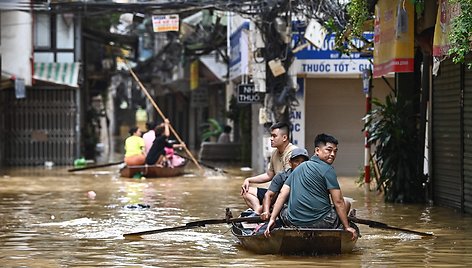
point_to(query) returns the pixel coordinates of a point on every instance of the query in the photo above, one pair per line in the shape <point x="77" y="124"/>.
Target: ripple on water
<point x="88" y="233"/>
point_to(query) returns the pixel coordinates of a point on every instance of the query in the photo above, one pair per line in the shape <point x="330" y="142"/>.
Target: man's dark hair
<point x="323" y="139"/>
<point x="159" y="129"/>
<point x="132" y="130"/>
<point x="150" y="125"/>
<point x="282" y="126"/>
<point x="227" y="129"/>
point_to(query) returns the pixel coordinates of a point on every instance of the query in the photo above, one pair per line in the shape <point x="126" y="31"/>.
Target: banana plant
<point x="213" y="129"/>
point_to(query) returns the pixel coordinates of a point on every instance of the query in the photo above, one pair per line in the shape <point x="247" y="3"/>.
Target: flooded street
<point x="50" y="218"/>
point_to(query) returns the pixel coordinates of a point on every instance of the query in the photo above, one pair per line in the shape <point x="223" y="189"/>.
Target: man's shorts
<point x="330" y="220"/>
<point x="260" y="194"/>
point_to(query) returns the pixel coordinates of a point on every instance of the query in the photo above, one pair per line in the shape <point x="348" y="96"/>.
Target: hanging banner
<point x="393" y="37"/>
<point x="165" y="23"/>
<point x="446" y="11"/>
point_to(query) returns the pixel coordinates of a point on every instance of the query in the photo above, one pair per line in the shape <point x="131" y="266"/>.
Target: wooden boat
<point x="294" y="241"/>
<point x="152" y="171"/>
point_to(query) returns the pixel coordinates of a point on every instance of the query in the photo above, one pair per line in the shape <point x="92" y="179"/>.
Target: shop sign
<point x="247" y="94"/>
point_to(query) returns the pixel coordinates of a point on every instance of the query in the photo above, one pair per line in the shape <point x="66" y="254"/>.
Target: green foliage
<point x="419" y="7"/>
<point x="396" y="150"/>
<point x="460" y="35"/>
<point x="358" y="14"/>
<point x="213" y="129"/>
<point x="360" y="20"/>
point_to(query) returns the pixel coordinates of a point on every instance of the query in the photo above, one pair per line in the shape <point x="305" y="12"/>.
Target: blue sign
<point x="235" y="44"/>
<point x="328" y="50"/>
<point x="328" y="61"/>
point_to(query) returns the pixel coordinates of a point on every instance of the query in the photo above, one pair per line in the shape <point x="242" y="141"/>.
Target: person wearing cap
<point x="310" y="189"/>
<point x="279" y="161"/>
<point x="299" y="156"/>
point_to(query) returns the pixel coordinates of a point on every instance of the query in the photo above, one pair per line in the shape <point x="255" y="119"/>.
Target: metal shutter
<point x="468" y="138"/>
<point x="41" y="127"/>
<point x="446" y="128"/>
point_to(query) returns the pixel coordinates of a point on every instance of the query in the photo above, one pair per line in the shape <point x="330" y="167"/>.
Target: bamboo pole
<point x="163" y="117"/>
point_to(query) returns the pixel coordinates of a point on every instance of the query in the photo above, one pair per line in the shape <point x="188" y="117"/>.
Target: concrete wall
<point x="16" y="44"/>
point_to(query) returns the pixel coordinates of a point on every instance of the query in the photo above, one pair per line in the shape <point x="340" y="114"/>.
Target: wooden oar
<point x="206" y="165"/>
<point x="381" y="225"/>
<point x="95" y="166"/>
<point x="163" y="117"/>
<point x="202" y="223"/>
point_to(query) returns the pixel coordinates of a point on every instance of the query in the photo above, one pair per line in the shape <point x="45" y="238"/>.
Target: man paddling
<point x="310" y="189"/>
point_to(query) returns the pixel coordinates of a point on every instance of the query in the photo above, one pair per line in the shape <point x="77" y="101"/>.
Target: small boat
<point x="153" y="171"/>
<point x="294" y="241"/>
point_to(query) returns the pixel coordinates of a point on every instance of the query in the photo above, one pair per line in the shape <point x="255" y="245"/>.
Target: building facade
<point x="41" y="106"/>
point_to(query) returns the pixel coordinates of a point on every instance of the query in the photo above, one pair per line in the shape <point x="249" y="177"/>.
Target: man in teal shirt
<point x="310" y="189"/>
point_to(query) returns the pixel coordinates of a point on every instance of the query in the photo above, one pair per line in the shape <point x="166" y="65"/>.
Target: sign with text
<point x="165" y="23"/>
<point x="446" y="12"/>
<point x="326" y="60"/>
<point x="297" y="115"/>
<point x="239" y="51"/>
<point x="393" y="37"/>
<point x="247" y="94"/>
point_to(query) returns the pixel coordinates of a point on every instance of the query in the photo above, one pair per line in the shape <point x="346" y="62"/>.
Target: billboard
<point x="393" y="37"/>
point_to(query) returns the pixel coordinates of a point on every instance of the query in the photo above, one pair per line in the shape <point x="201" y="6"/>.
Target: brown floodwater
<point x="49" y="219"/>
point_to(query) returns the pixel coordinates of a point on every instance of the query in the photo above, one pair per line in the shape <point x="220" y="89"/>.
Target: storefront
<point x="332" y="101"/>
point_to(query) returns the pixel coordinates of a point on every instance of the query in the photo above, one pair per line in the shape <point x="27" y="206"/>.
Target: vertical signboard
<point x="239" y="51"/>
<point x="446" y="11"/>
<point x="194" y="75"/>
<point x="393" y="37"/>
<point x="297" y="116"/>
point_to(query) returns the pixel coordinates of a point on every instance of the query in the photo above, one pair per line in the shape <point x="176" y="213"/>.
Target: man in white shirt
<point x="279" y="161"/>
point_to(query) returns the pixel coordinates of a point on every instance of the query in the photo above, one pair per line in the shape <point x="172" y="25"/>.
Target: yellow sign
<point x="393" y="37"/>
<point x="446" y="11"/>
<point x="194" y="75"/>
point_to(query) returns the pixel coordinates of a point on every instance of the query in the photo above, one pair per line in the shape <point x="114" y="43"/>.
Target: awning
<point x="57" y="72"/>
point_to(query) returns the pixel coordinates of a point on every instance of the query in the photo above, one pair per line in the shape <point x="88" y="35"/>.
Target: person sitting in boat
<point x="149" y="136"/>
<point x="311" y="206"/>
<point x="279" y="161"/>
<point x="225" y="135"/>
<point x="299" y="156"/>
<point x="173" y="160"/>
<point x="134" y="148"/>
<point x="157" y="153"/>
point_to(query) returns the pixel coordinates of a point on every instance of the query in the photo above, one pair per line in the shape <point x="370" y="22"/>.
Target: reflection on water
<point x="48" y="218"/>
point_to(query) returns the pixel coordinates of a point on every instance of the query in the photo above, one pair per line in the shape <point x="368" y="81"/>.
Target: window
<point x="42" y="31"/>
<point x="54" y="37"/>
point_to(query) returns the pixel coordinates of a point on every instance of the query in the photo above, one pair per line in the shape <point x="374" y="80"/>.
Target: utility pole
<point x="367" y="88"/>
